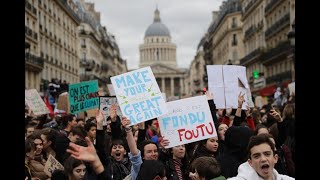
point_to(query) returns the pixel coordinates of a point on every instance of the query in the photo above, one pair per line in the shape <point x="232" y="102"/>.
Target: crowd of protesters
<point x="257" y="143"/>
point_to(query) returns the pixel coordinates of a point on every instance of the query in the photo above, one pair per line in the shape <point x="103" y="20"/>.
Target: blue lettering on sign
<point x="184" y="120"/>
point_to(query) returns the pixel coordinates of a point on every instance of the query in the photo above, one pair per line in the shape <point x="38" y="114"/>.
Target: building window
<point x="234" y="23"/>
<point x="234" y="40"/>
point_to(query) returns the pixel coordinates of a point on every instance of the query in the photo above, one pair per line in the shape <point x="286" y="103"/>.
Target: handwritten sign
<point x="188" y="120"/>
<point x="105" y="104"/>
<point x="51" y="165"/>
<point x="226" y="82"/>
<point x="138" y="95"/>
<point x="35" y="103"/>
<point x="83" y="96"/>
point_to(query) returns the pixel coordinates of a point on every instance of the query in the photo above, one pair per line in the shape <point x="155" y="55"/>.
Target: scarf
<point x="121" y="164"/>
<point x="177" y="166"/>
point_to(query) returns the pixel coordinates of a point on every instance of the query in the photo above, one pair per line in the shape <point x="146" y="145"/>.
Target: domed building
<point x="159" y="53"/>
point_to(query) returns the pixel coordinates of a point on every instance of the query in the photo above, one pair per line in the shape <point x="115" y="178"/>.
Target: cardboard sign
<point x="139" y="96"/>
<point x="83" y="96"/>
<point x="105" y="103"/>
<point x="35" y="102"/>
<point x="226" y="82"/>
<point x="51" y="165"/>
<point x="188" y="120"/>
<point x="63" y="102"/>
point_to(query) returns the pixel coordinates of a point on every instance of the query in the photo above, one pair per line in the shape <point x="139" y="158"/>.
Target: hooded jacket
<point x="246" y="172"/>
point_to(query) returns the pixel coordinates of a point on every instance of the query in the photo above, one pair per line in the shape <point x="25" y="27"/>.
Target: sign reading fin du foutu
<point x="138" y="95"/>
<point x="188" y="120"/>
<point x="83" y="96"/>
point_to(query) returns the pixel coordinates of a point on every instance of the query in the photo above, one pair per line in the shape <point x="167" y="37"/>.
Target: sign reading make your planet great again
<point x="188" y="120"/>
<point x="138" y="95"/>
<point x="83" y="96"/>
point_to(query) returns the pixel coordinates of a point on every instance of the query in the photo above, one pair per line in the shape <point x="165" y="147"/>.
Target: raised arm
<point x="131" y="142"/>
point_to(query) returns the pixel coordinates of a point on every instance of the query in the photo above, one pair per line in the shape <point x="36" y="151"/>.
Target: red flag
<point x="49" y="107"/>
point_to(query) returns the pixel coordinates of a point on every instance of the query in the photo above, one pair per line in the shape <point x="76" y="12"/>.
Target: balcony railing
<point x="279" y="77"/>
<point x="270" y="6"/>
<point x="282" y="47"/>
<point x="34" y="60"/>
<point x="276" y="27"/>
<point x="71" y="12"/>
<point x="249" y="57"/>
<point x="249" y="32"/>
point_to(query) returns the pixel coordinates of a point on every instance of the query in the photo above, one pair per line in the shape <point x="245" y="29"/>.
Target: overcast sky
<point x="187" y="21"/>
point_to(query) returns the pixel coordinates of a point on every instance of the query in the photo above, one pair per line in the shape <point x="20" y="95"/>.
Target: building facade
<point x="227" y="34"/>
<point x="271" y="57"/>
<point x="197" y="71"/>
<point x="59" y="36"/>
<point x="159" y="53"/>
<point x="254" y="28"/>
<point x="33" y="62"/>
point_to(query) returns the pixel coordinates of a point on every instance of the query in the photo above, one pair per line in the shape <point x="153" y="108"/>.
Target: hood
<point x="246" y="172"/>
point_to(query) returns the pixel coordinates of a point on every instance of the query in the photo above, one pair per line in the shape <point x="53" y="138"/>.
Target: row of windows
<point x="58" y="73"/>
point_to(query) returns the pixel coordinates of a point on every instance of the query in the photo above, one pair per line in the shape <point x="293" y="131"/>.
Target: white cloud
<point x="187" y="21"/>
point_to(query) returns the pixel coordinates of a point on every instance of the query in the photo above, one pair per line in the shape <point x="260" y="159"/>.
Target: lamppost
<point x="291" y="37"/>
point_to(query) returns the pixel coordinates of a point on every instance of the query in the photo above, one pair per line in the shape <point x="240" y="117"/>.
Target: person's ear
<point x="250" y="162"/>
<point x="276" y="157"/>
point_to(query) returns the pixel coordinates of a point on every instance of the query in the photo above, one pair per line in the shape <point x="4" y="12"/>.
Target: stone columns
<point x="181" y="86"/>
<point x="172" y="86"/>
<point x="163" y="85"/>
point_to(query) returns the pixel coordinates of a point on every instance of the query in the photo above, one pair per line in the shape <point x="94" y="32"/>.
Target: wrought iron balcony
<point x="250" y="56"/>
<point x="34" y="61"/>
<point x="282" y="47"/>
<point x="271" y="5"/>
<point x="281" y="77"/>
<point x="276" y="27"/>
<point x="249" y="32"/>
<point x="69" y="10"/>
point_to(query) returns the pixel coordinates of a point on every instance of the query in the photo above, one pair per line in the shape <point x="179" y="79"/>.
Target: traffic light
<point x="255" y="74"/>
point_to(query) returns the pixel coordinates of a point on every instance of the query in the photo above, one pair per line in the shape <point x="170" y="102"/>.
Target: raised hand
<point x="99" y="117"/>
<point x="276" y="115"/>
<point x="209" y="95"/>
<point x="240" y="100"/>
<point x="125" y="121"/>
<point x="164" y="142"/>
<point x="113" y="112"/>
<point x="248" y="111"/>
<point x="87" y="154"/>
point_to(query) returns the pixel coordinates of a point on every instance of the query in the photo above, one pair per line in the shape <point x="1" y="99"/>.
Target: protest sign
<point x="111" y="90"/>
<point x="226" y="82"/>
<point x="51" y="165"/>
<point x="139" y="96"/>
<point x="35" y="102"/>
<point x="105" y="104"/>
<point x="188" y="120"/>
<point x="83" y="96"/>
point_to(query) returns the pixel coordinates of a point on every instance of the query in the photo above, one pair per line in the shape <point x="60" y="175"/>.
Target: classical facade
<point x="254" y="28"/>
<point x="159" y="53"/>
<point x="33" y="62"/>
<point x="98" y="51"/>
<point x="227" y="34"/>
<point x="64" y="40"/>
<point x="273" y="55"/>
<point x="58" y="24"/>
